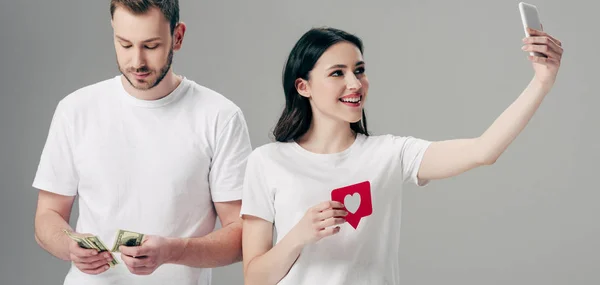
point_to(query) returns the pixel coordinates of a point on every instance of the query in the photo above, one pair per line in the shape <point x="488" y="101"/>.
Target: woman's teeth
<point x="351" y="100"/>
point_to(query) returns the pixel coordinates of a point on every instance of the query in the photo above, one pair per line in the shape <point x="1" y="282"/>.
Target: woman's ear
<point x="302" y="87"/>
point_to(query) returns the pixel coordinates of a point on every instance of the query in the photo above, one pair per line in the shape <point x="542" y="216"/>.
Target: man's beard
<point x="144" y="69"/>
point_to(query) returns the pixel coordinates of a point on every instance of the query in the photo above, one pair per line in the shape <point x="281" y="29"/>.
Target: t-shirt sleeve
<point x="56" y="170"/>
<point x="258" y="198"/>
<point x="229" y="160"/>
<point x="412" y="151"/>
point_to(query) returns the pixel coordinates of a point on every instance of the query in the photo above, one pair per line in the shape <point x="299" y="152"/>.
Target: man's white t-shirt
<point x="283" y="180"/>
<point x="153" y="167"/>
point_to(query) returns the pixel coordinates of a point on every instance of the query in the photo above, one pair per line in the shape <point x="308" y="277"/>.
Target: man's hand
<point x="88" y="260"/>
<point x="152" y="253"/>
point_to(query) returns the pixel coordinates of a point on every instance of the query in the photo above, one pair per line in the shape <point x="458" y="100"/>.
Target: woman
<point x="323" y="144"/>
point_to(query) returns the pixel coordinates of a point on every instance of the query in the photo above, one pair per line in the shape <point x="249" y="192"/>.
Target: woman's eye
<point x="337" y="73"/>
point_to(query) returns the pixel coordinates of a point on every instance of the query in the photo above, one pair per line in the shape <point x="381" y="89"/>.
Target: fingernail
<point x="524" y="40"/>
<point x="94" y="253"/>
<point x="523" y="47"/>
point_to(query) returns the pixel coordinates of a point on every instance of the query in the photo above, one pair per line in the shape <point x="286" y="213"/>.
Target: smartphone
<point x="531" y="19"/>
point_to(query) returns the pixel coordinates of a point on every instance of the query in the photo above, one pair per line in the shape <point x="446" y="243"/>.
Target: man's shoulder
<point x="88" y="94"/>
<point x="209" y="98"/>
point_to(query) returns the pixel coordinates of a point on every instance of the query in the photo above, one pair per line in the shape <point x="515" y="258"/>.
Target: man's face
<point x="144" y="46"/>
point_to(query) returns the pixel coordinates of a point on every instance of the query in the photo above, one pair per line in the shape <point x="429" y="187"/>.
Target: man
<point x="147" y="151"/>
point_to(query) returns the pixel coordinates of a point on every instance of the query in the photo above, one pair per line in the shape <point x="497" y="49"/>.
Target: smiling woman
<point x="305" y="64"/>
<point x="323" y="146"/>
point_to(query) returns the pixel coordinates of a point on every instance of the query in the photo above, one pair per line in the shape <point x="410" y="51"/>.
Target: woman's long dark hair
<point x="297" y="114"/>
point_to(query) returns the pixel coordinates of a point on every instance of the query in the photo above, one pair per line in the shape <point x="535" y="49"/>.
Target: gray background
<point x="438" y="70"/>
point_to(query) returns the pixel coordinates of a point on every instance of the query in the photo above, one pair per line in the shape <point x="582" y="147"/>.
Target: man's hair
<point x="169" y="8"/>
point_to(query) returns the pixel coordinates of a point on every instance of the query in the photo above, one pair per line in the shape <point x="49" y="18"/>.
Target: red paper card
<point x="357" y="200"/>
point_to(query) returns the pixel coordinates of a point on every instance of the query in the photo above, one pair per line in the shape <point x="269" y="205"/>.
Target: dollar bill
<point x="98" y="244"/>
<point x="127" y="238"/>
<point x="91" y="242"/>
<point x="79" y="240"/>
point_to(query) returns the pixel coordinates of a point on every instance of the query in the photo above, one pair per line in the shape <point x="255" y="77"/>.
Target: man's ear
<point x="178" y="34"/>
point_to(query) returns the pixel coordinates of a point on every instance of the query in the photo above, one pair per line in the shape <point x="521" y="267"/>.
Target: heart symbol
<point x="352" y="202"/>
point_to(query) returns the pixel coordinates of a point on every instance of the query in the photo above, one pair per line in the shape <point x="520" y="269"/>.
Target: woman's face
<point x="337" y="85"/>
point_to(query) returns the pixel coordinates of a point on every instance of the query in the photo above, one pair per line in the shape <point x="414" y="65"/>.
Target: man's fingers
<point x="89" y="259"/>
<point x="139" y="266"/>
<point x="75" y="249"/>
<point x="134" y="251"/>
<point x="140" y="270"/>
<point x="96" y="270"/>
<point x="137" y="262"/>
<point x="92" y="265"/>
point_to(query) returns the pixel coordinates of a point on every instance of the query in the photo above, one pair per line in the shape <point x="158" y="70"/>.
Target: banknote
<point x="91" y="242"/>
<point x="127" y="238"/>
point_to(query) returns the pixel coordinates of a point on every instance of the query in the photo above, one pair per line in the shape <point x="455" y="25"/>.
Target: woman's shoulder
<point x="378" y="139"/>
<point x="269" y="149"/>
<point x="391" y="141"/>
<point x="388" y="138"/>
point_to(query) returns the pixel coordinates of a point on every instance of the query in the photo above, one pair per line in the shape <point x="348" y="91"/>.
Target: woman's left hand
<point x="546" y="68"/>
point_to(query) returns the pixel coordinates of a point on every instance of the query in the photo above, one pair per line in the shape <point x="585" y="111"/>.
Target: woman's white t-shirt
<point x="283" y="180"/>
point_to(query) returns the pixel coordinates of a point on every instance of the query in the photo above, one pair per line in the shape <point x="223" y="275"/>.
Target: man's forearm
<point x="50" y="236"/>
<point x="219" y="248"/>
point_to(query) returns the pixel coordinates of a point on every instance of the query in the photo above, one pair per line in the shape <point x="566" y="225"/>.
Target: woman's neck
<point x="327" y="136"/>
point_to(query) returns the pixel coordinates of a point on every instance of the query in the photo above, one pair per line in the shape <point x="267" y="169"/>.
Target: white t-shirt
<point x="283" y="180"/>
<point x="153" y="167"/>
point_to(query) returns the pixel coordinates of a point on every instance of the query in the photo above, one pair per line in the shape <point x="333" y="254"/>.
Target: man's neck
<point x="164" y="88"/>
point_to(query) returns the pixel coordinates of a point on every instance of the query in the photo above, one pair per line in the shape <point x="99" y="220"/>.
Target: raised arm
<point x="452" y="157"/>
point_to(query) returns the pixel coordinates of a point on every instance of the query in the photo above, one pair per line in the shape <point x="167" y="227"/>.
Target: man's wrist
<point x="176" y="248"/>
